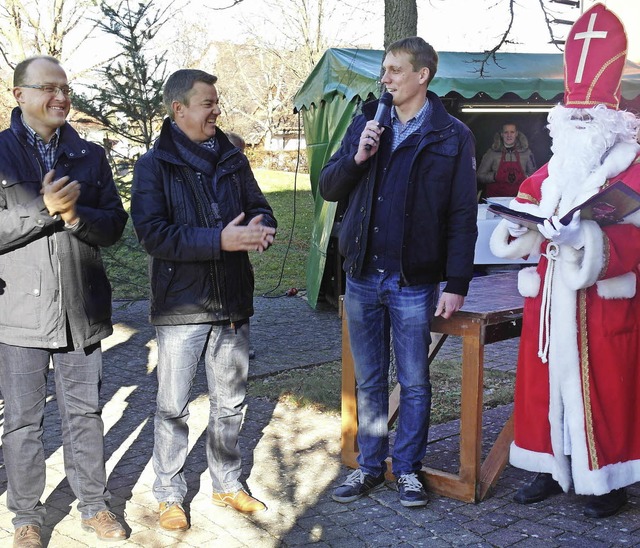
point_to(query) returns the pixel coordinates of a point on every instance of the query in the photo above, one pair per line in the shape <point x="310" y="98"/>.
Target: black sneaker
<point x="411" y="491"/>
<point x="357" y="485"/>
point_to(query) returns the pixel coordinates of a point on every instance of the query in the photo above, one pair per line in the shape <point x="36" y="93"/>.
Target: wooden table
<point x="492" y="312"/>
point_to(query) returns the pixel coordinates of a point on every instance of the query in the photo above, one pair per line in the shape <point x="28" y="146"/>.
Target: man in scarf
<point x="197" y="210"/>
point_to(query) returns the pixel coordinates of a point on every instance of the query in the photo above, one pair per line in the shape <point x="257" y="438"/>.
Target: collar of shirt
<point x="401" y="131"/>
<point x="47" y="150"/>
<point x="211" y="143"/>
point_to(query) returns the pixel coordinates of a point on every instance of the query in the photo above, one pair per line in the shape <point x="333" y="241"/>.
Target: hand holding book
<point x="515" y="230"/>
<point x="561" y="234"/>
<point x="609" y="206"/>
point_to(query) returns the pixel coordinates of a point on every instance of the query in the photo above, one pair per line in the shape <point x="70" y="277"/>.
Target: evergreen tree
<point x="126" y="97"/>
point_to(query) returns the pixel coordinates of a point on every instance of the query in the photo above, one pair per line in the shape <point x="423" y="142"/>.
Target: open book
<point x="609" y="206"/>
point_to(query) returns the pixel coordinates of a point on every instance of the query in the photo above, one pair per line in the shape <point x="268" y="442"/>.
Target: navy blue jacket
<point x="51" y="278"/>
<point x="440" y="206"/>
<point x="192" y="279"/>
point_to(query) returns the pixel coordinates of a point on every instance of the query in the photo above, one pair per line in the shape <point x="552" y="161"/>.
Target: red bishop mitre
<point x="594" y="58"/>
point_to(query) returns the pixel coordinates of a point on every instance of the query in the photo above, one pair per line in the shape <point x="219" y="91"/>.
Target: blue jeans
<point x="377" y="306"/>
<point x="23" y="381"/>
<point x="226" y="360"/>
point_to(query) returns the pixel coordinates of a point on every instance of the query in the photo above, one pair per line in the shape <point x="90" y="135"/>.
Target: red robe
<point x="585" y="400"/>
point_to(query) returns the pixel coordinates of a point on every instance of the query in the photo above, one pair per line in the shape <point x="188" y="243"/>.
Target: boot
<point x="542" y="487"/>
<point x="606" y="505"/>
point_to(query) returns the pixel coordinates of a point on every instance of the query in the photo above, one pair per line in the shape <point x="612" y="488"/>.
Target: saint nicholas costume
<point x="578" y="378"/>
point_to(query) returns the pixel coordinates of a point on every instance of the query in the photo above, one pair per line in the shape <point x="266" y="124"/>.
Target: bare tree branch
<point x="31" y="27"/>
<point x="547" y="21"/>
<point x="491" y="54"/>
<point x="6" y="58"/>
<point x="233" y="3"/>
<point x="504" y="39"/>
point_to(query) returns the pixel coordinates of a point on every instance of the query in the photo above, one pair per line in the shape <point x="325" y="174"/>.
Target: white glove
<point x="515" y="230"/>
<point x="570" y="234"/>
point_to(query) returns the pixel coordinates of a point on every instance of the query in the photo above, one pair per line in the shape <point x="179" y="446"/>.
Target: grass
<point x="283" y="266"/>
<point x="445" y="380"/>
<point x="316" y="387"/>
<point x="319" y="388"/>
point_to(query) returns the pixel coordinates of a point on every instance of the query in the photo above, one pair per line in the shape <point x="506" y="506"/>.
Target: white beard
<point x="579" y="150"/>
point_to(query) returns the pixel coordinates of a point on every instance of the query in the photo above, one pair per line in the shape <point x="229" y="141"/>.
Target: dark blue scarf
<point x="203" y="158"/>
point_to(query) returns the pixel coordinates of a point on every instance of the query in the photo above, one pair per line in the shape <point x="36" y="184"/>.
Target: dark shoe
<point x="357" y="485"/>
<point x="542" y="487"/>
<point x="105" y="525"/>
<point x="411" y="491"/>
<point x="607" y="505"/>
<point x="240" y="501"/>
<point x="27" y="536"/>
<point x="173" y="517"/>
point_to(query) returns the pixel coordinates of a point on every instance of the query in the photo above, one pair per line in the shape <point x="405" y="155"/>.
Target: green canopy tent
<point x="344" y="78"/>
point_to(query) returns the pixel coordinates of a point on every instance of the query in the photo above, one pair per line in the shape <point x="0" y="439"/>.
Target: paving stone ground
<point x="291" y="461"/>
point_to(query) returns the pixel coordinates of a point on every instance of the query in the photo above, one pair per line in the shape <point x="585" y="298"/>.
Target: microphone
<point x="384" y="104"/>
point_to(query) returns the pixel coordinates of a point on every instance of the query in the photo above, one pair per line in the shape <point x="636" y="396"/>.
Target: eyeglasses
<point x="49" y="88"/>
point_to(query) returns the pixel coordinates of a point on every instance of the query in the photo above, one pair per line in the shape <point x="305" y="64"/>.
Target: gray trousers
<point x="23" y="381"/>
<point x="226" y="360"/>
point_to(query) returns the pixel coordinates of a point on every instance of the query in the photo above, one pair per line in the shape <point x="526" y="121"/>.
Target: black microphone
<point x="384" y="104"/>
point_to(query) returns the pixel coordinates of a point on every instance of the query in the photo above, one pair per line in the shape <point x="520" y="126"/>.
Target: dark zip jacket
<point x="192" y="279"/>
<point x="440" y="207"/>
<point x="52" y="280"/>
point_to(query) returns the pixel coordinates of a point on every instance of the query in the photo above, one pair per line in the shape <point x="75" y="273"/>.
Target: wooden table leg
<point x="349" y="404"/>
<point x="471" y="409"/>
<point x="496" y="460"/>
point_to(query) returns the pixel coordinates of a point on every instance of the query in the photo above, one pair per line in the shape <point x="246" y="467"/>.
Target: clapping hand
<point x="251" y="237"/>
<point x="60" y="196"/>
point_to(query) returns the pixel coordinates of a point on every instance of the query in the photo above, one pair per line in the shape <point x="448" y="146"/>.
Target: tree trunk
<point x="400" y="20"/>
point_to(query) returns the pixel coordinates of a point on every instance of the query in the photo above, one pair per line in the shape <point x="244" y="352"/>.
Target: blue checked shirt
<point x="47" y="154"/>
<point x="402" y="131"/>
<point x="47" y="150"/>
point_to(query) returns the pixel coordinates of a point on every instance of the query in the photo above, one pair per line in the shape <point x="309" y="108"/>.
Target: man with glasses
<point x="58" y="205"/>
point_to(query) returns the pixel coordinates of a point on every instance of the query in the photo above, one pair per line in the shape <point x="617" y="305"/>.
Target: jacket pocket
<point x="90" y="190"/>
<point x="19" y="191"/>
<point x="161" y="279"/>
<point x="20" y="296"/>
<point x="98" y="297"/>
<point x="438" y="165"/>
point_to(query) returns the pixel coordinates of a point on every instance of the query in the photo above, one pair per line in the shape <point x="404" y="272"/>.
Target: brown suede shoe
<point x="172" y="517"/>
<point x="240" y="501"/>
<point x="105" y="525"/>
<point x="27" y="536"/>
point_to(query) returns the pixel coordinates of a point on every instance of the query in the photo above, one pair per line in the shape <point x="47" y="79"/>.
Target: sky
<point x="449" y="25"/>
<point x="362" y="23"/>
